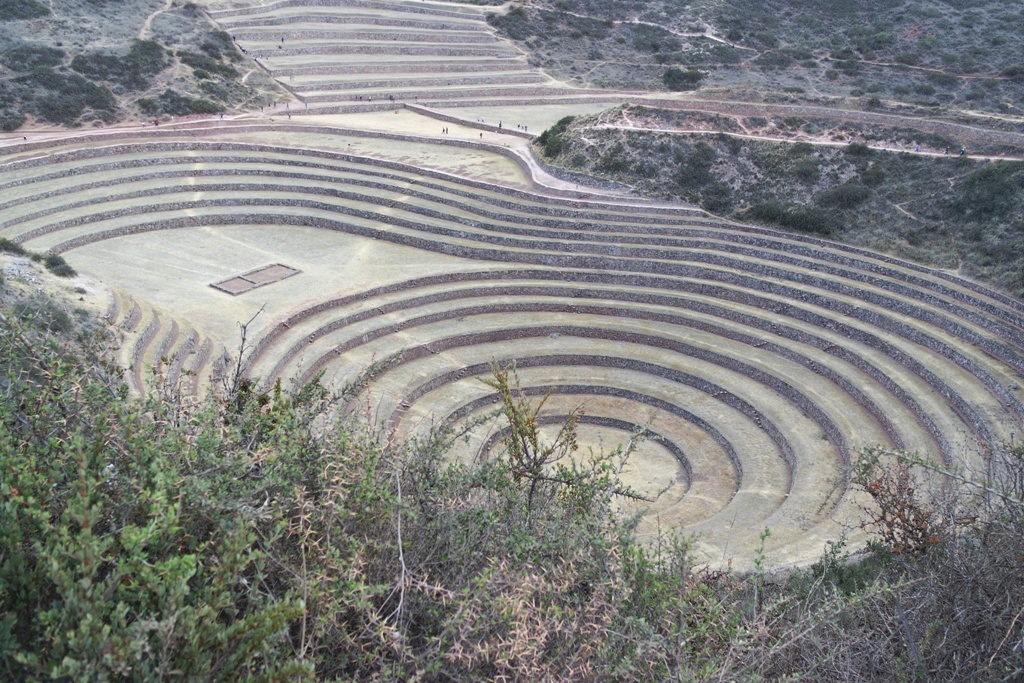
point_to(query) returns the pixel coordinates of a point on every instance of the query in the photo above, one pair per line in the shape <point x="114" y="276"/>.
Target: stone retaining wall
<point x="484" y="402"/>
<point x="406" y="67"/>
<point x="322" y="19"/>
<point x="296" y="37"/>
<point x="432" y="50"/>
<point x="217" y="15"/>
<point x="176" y="144"/>
<point x="516" y="311"/>
<point x="405" y="96"/>
<point x="185" y="349"/>
<point x="404" y="83"/>
<point x="448" y="118"/>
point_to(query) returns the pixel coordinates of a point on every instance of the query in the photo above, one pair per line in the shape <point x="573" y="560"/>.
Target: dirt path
<point x="904" y="212"/>
<point x="926" y="69"/>
<point x="811" y="141"/>
<point x="682" y="34"/>
<point x="147" y="26"/>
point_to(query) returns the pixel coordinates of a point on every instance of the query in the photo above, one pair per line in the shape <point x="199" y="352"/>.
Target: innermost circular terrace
<point x="429" y="243"/>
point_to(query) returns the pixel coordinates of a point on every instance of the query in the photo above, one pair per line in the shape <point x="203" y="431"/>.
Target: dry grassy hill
<point x="95" y="62"/>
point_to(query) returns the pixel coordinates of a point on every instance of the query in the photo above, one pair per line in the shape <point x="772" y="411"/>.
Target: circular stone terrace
<point x="756" y="361"/>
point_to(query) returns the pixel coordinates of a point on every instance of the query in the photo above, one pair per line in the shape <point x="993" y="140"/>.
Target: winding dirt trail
<point x="147" y="26"/>
<point x="810" y="141"/>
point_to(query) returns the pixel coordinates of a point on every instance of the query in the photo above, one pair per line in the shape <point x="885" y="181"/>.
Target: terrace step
<point x="157" y="346"/>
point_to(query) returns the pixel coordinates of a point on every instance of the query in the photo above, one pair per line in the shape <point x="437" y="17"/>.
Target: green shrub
<point x="992" y="191"/>
<point x="726" y="54"/>
<point x="10" y="247"/>
<point x="731" y="142"/>
<point x="653" y="39"/>
<point x="217" y="90"/>
<point x="694" y="166"/>
<point x="22" y="9"/>
<point x="201" y="106"/>
<point x="173" y="103"/>
<point x="716" y="197"/>
<point x="198" y="61"/>
<point x="793" y="217"/>
<point x="682" y="79"/>
<point x="56" y="264"/>
<point x="222" y="39"/>
<point x="11" y="120"/>
<point x="69" y="96"/>
<point x="775" y="59"/>
<point x="846" y="196"/>
<point x="135" y="71"/>
<point x="614" y="160"/>
<point x="807" y="170"/>
<point x="515" y="23"/>
<point x="943" y="80"/>
<point x="873" y="175"/>
<point x="552" y="140"/>
<point x="858" y="149"/>
<point x="28" y="56"/>
<point x="1015" y="72"/>
<point x="169" y="102"/>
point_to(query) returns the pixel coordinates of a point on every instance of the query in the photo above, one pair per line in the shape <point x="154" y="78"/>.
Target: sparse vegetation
<point x="206" y="63"/>
<point x="893" y="51"/>
<point x="172" y="103"/>
<point x="680" y="79"/>
<point x="26" y="57"/>
<point x="134" y="71"/>
<point x="93" y="83"/>
<point x="551" y="140"/>
<point x="22" y="9"/>
<point x="68" y="98"/>
<point x="54" y="263"/>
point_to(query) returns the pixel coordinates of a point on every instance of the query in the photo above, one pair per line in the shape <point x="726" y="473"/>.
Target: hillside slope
<point x="84" y="62"/>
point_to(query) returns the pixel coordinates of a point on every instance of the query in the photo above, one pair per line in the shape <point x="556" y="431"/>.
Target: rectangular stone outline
<point x="240" y="284"/>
